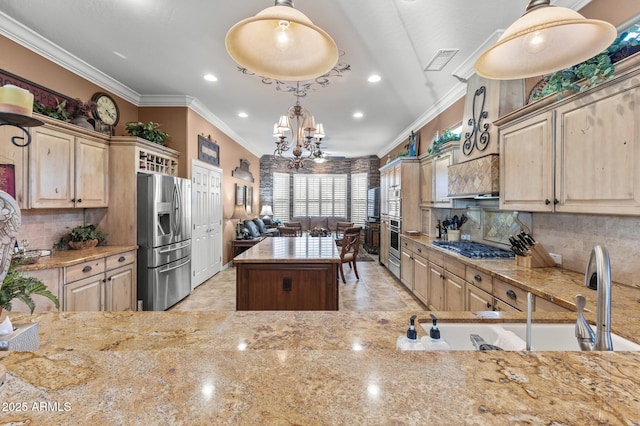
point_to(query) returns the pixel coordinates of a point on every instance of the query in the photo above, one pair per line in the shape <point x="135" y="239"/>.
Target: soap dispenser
<point x="433" y="342"/>
<point x="410" y="342"/>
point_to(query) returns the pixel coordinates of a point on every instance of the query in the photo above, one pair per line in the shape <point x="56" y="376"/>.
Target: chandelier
<point x="305" y="137"/>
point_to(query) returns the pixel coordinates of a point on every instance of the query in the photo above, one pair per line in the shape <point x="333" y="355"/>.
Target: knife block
<point x="538" y="258"/>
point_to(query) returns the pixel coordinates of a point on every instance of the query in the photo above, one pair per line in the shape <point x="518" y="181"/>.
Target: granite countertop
<point x="299" y="368"/>
<point x="60" y="259"/>
<point x="559" y="286"/>
<point x="303" y="249"/>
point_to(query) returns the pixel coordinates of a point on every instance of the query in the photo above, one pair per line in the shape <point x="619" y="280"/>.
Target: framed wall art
<point x="248" y="199"/>
<point x="208" y="150"/>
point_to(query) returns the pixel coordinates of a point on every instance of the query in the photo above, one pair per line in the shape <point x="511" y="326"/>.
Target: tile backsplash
<point x="44" y="227"/>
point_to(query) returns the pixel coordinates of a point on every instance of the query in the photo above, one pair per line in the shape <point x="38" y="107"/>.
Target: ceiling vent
<point x="441" y="59"/>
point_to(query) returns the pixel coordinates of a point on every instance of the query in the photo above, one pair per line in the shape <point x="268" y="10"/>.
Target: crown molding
<point x="33" y="41"/>
<point x="196" y="106"/>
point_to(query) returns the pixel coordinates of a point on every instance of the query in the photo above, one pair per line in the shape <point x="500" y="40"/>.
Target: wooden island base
<point x="285" y="274"/>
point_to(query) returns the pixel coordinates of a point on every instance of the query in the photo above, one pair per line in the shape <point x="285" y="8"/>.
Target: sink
<point x="544" y="336"/>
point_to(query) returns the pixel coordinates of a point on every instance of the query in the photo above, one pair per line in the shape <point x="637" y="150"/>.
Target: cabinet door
<point x="454" y="293"/>
<point x="477" y="299"/>
<point x="441" y="181"/>
<point x="421" y="278"/>
<point x="426" y="182"/>
<point x="598" y="153"/>
<point x="526" y="165"/>
<point x="406" y="269"/>
<point x="14" y="172"/>
<point x="384" y="243"/>
<point x="91" y="179"/>
<point x="85" y="294"/>
<point x="51" y="165"/>
<point x="384" y="193"/>
<point x="436" y="287"/>
<point x="120" y="286"/>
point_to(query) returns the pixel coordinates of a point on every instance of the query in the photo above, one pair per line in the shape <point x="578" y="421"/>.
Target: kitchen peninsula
<point x="311" y="368"/>
<point x="288" y="273"/>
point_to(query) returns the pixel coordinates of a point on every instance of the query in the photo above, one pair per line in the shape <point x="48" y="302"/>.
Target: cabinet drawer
<point x="501" y="306"/>
<point x="454" y="266"/>
<point x="543" y="305"/>
<point x="510" y="294"/>
<point x="414" y="246"/>
<point x="479" y="279"/>
<point x="436" y="257"/>
<point x="83" y="270"/>
<point x="121" y="259"/>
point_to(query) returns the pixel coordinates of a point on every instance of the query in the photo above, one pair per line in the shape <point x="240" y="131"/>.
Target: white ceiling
<point x="169" y="45"/>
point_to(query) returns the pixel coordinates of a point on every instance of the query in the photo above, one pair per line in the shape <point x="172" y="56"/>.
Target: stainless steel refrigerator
<point x="164" y="240"/>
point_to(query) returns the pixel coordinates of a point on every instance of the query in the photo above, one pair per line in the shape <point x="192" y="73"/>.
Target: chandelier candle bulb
<point x="16" y="100"/>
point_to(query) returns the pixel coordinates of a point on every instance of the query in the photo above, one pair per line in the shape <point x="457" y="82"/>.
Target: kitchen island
<point x="288" y="273"/>
<point x="311" y="368"/>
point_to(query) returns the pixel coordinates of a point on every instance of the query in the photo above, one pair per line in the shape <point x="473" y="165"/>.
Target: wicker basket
<point x="80" y="245"/>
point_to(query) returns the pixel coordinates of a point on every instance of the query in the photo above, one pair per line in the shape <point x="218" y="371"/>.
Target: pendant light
<point x="280" y="42"/>
<point x="544" y="40"/>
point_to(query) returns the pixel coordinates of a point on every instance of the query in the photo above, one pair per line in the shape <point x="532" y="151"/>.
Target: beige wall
<point x="45" y="227"/>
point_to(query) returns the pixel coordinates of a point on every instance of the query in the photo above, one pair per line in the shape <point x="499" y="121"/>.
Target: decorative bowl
<point x="80" y="245"/>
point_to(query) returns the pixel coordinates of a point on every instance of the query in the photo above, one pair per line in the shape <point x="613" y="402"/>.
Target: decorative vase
<point x="80" y="245"/>
<point x="83" y="121"/>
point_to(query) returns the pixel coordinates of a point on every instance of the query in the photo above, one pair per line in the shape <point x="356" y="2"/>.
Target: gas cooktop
<point x="474" y="250"/>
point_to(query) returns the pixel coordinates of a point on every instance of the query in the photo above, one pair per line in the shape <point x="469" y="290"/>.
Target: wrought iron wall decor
<point x="479" y="137"/>
<point x="301" y="90"/>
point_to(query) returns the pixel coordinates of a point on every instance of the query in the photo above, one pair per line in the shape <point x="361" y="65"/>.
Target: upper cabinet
<point x="67" y="169"/>
<point x="434" y="176"/>
<point x="578" y="155"/>
<point x="403" y="178"/>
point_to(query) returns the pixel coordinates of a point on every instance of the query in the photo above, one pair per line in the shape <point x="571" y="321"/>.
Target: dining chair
<point x="349" y="250"/>
<point x="288" y="231"/>
<point x="340" y="228"/>
<point x="297" y="225"/>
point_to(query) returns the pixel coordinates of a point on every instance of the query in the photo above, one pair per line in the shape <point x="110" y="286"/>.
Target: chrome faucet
<point x="598" y="270"/>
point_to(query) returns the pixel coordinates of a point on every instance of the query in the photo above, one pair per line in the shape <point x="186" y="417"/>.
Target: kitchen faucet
<point x="598" y="270"/>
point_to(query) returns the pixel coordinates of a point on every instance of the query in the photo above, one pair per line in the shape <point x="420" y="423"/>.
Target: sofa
<point x="257" y="228"/>
<point x="325" y="222"/>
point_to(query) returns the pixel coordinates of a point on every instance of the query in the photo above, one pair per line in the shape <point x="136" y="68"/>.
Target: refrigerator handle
<point x="177" y="210"/>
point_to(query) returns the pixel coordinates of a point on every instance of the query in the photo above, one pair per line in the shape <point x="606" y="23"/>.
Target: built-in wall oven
<point x="394" y="202"/>
<point x="395" y="227"/>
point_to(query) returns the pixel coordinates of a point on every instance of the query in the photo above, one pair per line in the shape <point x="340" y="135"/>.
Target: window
<point x="281" y="196"/>
<point x="359" y="198"/>
<point x="320" y="195"/>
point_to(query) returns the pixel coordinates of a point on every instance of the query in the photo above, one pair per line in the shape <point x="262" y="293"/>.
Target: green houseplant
<point x="59" y="112"/>
<point x="17" y="285"/>
<point x="149" y="131"/>
<point x="81" y="237"/>
<point x="447" y="136"/>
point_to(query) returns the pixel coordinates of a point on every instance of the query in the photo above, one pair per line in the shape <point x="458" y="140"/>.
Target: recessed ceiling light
<point x="210" y="77"/>
<point x="374" y="78"/>
<point x="243" y="115"/>
<point x="358" y="115"/>
<point x="120" y="55"/>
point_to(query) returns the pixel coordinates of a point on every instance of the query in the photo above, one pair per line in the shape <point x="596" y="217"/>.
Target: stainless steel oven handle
<point x="162" y="271"/>
<point x="167" y="250"/>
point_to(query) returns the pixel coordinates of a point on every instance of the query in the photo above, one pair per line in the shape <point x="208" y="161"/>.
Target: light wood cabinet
<point x="421" y="279"/>
<point x="454" y="292"/>
<point x="384" y="243"/>
<point x="406" y="268"/>
<point x="121" y="222"/>
<point x="67" y="170"/>
<point x="580" y="154"/>
<point x="426" y="182"/>
<point x="436" y="287"/>
<point x="103" y="284"/>
<point x="414" y="269"/>
<point x="477" y="299"/>
<point x="526" y="165"/>
<point x="15" y="167"/>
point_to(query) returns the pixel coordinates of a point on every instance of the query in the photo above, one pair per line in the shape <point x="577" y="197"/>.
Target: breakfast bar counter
<point x="288" y="273"/>
<point x="311" y="368"/>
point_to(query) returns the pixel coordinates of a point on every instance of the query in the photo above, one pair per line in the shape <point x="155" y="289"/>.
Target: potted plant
<point x="439" y="141"/>
<point x="17" y="285"/>
<point x="82" y="237"/>
<point x="149" y="131"/>
<point x="59" y="112"/>
<point x="79" y="112"/>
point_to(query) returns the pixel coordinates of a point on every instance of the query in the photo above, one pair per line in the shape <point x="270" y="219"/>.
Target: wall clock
<point x="106" y="109"/>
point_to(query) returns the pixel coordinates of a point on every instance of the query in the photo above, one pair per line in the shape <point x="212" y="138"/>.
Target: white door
<point x="206" y="240"/>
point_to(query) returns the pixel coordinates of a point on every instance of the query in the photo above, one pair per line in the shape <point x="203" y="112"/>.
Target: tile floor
<point x="376" y="290"/>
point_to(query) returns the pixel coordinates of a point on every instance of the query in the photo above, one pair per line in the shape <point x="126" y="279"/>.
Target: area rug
<point x="363" y="256"/>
